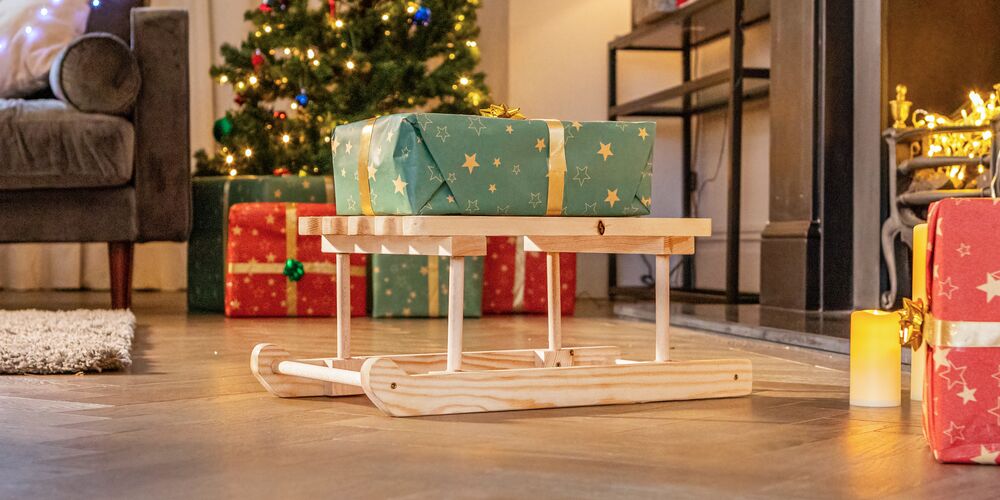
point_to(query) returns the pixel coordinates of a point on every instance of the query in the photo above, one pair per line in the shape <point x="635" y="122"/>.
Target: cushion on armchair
<point x="96" y="73"/>
<point x="47" y="144"/>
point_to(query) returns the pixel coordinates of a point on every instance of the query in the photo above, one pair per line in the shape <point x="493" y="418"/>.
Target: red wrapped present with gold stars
<point x="272" y="271"/>
<point x="962" y="331"/>
<point x="515" y="281"/>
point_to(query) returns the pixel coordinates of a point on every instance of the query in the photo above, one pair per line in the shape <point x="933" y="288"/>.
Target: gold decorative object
<point x="502" y="111"/>
<point x="911" y="323"/>
<point x="900" y="107"/>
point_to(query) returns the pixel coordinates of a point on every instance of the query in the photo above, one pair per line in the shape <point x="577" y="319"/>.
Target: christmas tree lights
<point x="304" y="69"/>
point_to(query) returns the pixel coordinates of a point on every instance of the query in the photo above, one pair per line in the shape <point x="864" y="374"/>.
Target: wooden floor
<point x="189" y="420"/>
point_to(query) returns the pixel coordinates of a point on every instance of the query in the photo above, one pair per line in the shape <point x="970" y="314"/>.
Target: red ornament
<point x="281" y="171"/>
<point x="280" y="115"/>
<point x="264" y="7"/>
<point x="333" y="9"/>
<point x="257" y="59"/>
<point x="239" y="99"/>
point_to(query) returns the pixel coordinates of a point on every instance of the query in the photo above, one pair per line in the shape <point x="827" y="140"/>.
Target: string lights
<point x="43" y="16"/>
<point x="282" y="65"/>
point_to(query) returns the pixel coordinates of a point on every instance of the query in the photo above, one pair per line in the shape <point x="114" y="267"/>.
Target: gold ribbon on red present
<point x="916" y="325"/>
<point x="291" y="251"/>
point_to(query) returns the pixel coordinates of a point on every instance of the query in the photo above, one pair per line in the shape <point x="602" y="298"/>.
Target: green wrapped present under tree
<point x="417" y="286"/>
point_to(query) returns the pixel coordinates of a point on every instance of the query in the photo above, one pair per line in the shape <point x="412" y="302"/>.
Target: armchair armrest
<point x="161" y="120"/>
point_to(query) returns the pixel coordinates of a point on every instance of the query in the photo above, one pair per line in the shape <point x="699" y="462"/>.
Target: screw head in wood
<point x="392" y="385"/>
<point x="600" y="227"/>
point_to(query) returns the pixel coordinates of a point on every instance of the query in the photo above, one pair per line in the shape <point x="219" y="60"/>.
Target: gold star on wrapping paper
<point x="540" y="144"/>
<point x="516" y="170"/>
<point x="305" y="184"/>
<point x="237" y="230"/>
<point x="348" y="147"/>
<point x="254" y="232"/>
<point x="388" y="291"/>
<point x="496" y="162"/>
<point x="442" y="133"/>
<point x="510" y="129"/>
<point x="343" y="172"/>
<point x="643" y="134"/>
<point x="406" y="311"/>
<point x="967" y="394"/>
<point x="371" y="172"/>
<point x="955" y="433"/>
<point x="451" y="199"/>
<point x="470" y="162"/>
<point x="277" y="193"/>
<point x="605" y="151"/>
<point x="271" y="257"/>
<point x="646" y="201"/>
<point x="964" y="250"/>
<point x="423" y="270"/>
<point x="991" y="287"/>
<point x="235" y="304"/>
<point x="399" y="185"/>
<point x="493" y="188"/>
<point x="986" y="457"/>
<point x="335" y="145"/>
<point x="536" y="199"/>
<point x="269" y="219"/>
<point x="612" y="197"/>
<point x="576" y="125"/>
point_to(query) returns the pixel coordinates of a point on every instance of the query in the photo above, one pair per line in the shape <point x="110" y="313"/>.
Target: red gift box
<point x="265" y="254"/>
<point x="516" y="281"/>
<point x="962" y="331"/>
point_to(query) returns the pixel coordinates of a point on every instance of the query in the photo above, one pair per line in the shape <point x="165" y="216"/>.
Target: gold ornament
<point x="502" y="111"/>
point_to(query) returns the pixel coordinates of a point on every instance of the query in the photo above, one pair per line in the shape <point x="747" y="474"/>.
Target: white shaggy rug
<point x="34" y="341"/>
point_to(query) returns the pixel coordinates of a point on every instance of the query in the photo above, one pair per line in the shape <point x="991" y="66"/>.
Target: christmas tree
<point x="306" y="68"/>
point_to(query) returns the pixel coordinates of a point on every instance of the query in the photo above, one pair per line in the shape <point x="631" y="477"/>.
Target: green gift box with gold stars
<point x="417" y="286"/>
<point x="211" y="198"/>
<point x="440" y="164"/>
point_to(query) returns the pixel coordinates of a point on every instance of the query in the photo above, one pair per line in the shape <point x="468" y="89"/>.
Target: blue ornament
<point x="422" y="16"/>
<point x="302" y="98"/>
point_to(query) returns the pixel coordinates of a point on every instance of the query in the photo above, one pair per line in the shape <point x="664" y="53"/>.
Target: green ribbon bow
<point x="294" y="270"/>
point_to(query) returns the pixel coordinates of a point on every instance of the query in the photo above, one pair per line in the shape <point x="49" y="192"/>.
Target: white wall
<point x="556" y="66"/>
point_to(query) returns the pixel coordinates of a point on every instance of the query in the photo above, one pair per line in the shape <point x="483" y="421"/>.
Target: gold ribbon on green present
<point x="294" y="270"/>
<point x="556" y="160"/>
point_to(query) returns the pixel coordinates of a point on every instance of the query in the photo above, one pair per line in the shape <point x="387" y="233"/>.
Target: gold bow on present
<point x="502" y="111"/>
<point x="911" y="323"/>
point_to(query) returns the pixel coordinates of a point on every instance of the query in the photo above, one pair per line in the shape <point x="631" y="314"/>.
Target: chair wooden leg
<point x="120" y="264"/>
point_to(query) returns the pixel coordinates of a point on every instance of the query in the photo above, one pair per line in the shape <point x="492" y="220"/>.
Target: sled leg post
<point x="343" y="305"/>
<point x="456" y="299"/>
<point x="662" y="307"/>
<point x="555" y="307"/>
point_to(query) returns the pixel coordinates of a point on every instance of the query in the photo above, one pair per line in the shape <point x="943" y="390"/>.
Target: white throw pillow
<point x="32" y="32"/>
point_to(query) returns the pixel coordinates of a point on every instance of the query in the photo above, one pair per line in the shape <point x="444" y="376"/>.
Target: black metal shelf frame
<point x="683" y="30"/>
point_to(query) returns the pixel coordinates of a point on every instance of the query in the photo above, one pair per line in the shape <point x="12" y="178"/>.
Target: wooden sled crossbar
<point x="466" y="382"/>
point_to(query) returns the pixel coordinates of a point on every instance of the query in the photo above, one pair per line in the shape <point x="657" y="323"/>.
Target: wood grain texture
<point x="398" y="394"/>
<point x="458" y="225"/>
<point x="188" y="418"/>
<point x="265" y="357"/>
<point x="406" y="245"/>
<point x="655" y="245"/>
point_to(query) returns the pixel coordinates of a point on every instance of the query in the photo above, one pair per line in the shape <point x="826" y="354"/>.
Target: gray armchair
<point x="69" y="176"/>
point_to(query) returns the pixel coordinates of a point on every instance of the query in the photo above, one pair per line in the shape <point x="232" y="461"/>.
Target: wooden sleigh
<point x="467" y="382"/>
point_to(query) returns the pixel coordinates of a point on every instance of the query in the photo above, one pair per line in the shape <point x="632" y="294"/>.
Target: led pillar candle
<point x="875" y="350"/>
<point x="919" y="292"/>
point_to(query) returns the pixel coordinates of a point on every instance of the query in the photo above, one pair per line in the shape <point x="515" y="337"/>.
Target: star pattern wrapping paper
<point x="962" y="384"/>
<point x="416" y="286"/>
<point x="258" y="246"/>
<point x="439" y="164"/>
<point x="211" y="198"/>
<point x="506" y="292"/>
